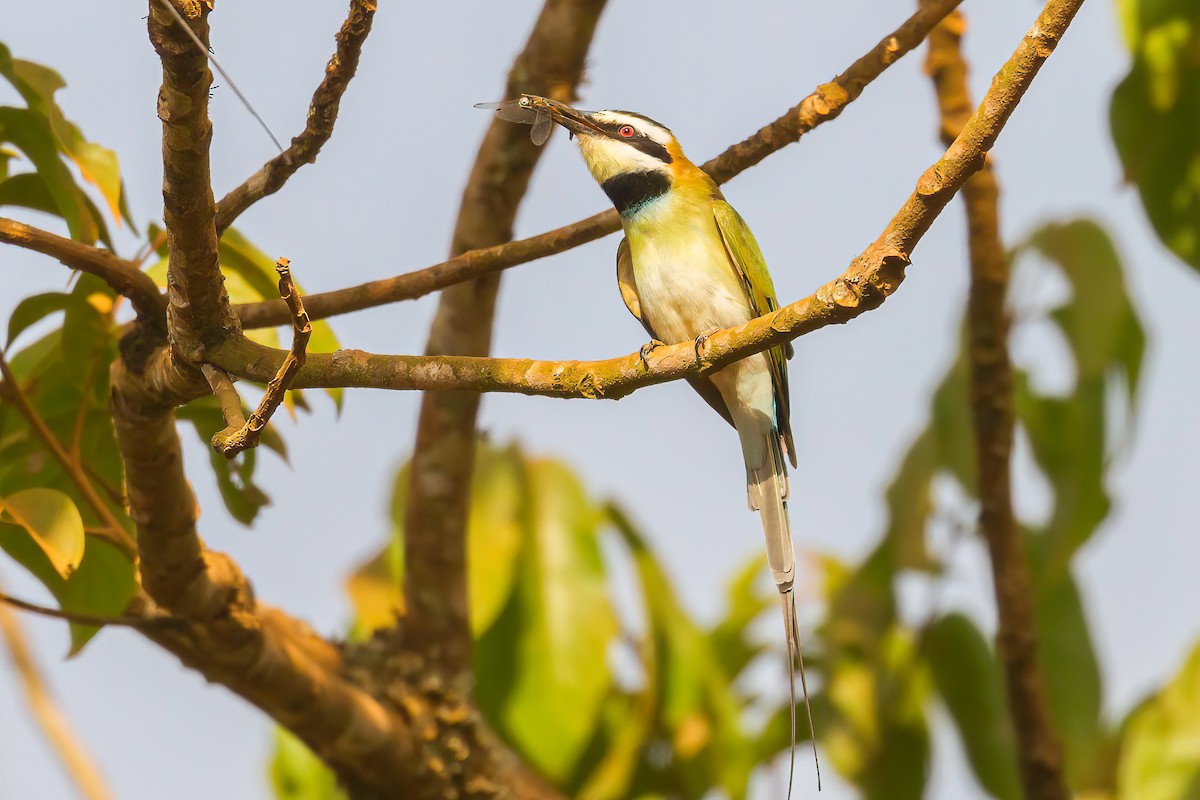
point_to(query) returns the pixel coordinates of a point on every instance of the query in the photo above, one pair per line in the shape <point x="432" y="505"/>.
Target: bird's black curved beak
<point x="574" y="120"/>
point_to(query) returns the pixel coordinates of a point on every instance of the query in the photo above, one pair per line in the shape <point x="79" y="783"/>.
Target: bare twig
<point x="825" y="103"/>
<point x="124" y="621"/>
<point x="227" y="396"/>
<point x="113" y="531"/>
<point x="322" y="114"/>
<point x="1039" y="746"/>
<point x="123" y="276"/>
<point x="198" y="311"/>
<point x="230" y="443"/>
<point x="870" y="279"/>
<point x="75" y="759"/>
<point x="435" y="584"/>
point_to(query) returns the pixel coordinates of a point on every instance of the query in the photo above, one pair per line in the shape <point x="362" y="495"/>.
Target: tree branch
<point x="322" y="114"/>
<point x="1039" y="746"/>
<point x="870" y="279"/>
<point x="234" y="440"/>
<point x="435" y="581"/>
<point x="825" y="103"/>
<point x="198" y="311"/>
<point x="123" y="276"/>
<point x="75" y="759"/>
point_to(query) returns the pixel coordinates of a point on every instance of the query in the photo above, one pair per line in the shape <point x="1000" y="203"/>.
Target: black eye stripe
<point x="639" y="140"/>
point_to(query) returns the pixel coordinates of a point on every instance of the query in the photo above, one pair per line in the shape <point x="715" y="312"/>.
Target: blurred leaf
<point x="32" y="310"/>
<point x="747" y="601"/>
<point x="1154" y="113"/>
<point x="497" y="516"/>
<point x="297" y="774"/>
<point x="1069" y="665"/>
<point x="31" y="133"/>
<point x="1160" y="759"/>
<point x="1099" y="322"/>
<point x="970" y="682"/>
<point x="376" y="591"/>
<point x="53" y="522"/>
<point x="876" y="734"/>
<point x="103" y="584"/>
<point x="37" y="85"/>
<point x="568" y="623"/>
<point x="697" y="712"/>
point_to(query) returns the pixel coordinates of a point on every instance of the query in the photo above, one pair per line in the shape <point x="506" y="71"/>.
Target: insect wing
<point x="542" y="126"/>
<point x="512" y="111"/>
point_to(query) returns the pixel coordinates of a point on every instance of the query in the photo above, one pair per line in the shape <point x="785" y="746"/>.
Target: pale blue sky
<point x="382" y="199"/>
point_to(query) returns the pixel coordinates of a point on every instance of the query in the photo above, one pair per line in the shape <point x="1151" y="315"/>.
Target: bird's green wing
<point x="627" y="283"/>
<point x="751" y="268"/>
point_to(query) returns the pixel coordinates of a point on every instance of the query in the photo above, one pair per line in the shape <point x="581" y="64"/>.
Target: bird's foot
<point x="702" y="342"/>
<point x="648" y="348"/>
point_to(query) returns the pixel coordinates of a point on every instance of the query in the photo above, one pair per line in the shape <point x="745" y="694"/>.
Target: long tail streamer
<point x="795" y="655"/>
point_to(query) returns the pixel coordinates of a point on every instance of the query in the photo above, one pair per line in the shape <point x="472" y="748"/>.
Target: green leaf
<point x="102" y="586"/>
<point x="499" y="503"/>
<point x="32" y="310"/>
<point x="98" y="165"/>
<point x="696" y="711"/>
<point x="1099" y="322"/>
<point x="31" y="132"/>
<point x="1070" y="668"/>
<point x="970" y="682"/>
<point x="53" y="522"/>
<point x="1153" y="118"/>
<point x="1160" y="758"/>
<point x="747" y="602"/>
<point x="567" y="624"/>
<point x="297" y="774"/>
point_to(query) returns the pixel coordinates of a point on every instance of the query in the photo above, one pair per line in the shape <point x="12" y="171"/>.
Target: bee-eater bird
<point x="689" y="266"/>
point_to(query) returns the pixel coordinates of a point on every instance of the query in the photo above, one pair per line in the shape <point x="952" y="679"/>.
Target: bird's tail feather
<point x="767" y="490"/>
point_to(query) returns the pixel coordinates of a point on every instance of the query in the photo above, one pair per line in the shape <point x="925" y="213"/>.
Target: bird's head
<point x="633" y="158"/>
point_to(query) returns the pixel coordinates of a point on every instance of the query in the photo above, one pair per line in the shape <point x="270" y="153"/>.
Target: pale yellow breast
<point x="685" y="282"/>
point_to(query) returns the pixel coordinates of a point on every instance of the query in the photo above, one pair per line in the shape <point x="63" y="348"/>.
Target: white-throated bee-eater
<point x="688" y="266"/>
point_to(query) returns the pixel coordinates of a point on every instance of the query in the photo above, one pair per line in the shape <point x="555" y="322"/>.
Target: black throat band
<point x="632" y="190"/>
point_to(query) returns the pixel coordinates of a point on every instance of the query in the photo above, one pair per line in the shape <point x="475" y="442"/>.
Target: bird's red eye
<point x="626" y="131"/>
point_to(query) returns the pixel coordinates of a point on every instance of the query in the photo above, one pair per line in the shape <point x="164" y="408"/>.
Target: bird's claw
<point x="647" y="349"/>
<point x="702" y="341"/>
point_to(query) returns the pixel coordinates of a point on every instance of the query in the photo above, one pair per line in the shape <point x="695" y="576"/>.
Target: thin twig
<point x="227" y="397"/>
<point x="123" y="276"/>
<point x="230" y="443"/>
<point x="123" y="621"/>
<point x="114" y="532"/>
<point x="322" y="114"/>
<point x="1039" y="746"/>
<point x="870" y="279"/>
<point x="823" y="104"/>
<point x="75" y="759"/>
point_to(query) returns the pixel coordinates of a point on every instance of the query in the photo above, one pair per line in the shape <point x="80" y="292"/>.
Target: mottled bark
<point x="1039" y="748"/>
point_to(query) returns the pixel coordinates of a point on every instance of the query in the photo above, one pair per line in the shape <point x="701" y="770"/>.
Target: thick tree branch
<point x="322" y="114"/>
<point x="435" y="582"/>
<point x="123" y="276"/>
<point x="1039" y="746"/>
<point x="870" y="279"/>
<point x="198" y="312"/>
<point x="75" y="759"/>
<point x="825" y="103"/>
